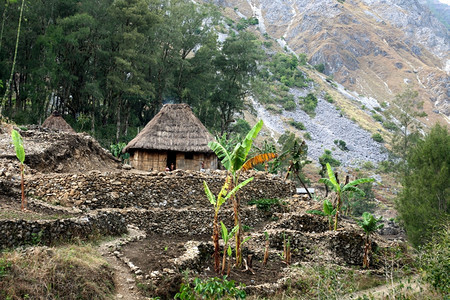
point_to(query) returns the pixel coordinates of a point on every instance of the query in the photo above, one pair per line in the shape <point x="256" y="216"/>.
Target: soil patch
<point x="157" y="253"/>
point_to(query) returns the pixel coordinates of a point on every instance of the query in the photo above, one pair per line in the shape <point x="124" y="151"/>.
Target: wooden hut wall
<point x="157" y="161"/>
<point x="148" y="161"/>
<point x="193" y="161"/>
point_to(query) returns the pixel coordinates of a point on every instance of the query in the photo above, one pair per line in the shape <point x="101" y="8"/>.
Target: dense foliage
<point x="108" y="66"/>
<point x="423" y="202"/>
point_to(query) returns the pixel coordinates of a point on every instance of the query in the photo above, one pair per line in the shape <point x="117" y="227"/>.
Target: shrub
<point x="377" y="118"/>
<point x="289" y="105"/>
<point x="434" y="260"/>
<point x="267" y="204"/>
<point x="309" y="103"/>
<point x="307" y="136"/>
<point x="377" y="137"/>
<point x="389" y="125"/>
<point x="328" y="98"/>
<point x="297" y="125"/>
<point x="320" y="68"/>
<point x="274" y="109"/>
<point x="341" y="145"/>
<point x="212" y="288"/>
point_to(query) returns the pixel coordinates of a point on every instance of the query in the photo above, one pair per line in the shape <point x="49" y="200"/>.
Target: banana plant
<point x="236" y="162"/>
<point x="226" y="237"/>
<point x="369" y="224"/>
<point x="340" y="189"/>
<point x="328" y="211"/>
<point x="225" y="193"/>
<point x="20" y="153"/>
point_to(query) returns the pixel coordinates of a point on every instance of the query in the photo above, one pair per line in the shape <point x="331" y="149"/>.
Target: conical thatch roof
<point x="174" y="128"/>
<point x="56" y="122"/>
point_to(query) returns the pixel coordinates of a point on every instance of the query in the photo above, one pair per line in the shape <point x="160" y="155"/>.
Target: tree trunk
<point x="216" y="244"/>
<point x="118" y="121"/>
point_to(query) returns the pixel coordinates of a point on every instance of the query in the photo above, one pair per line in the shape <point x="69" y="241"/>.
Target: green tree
<point x="406" y="108"/>
<point x="423" y="202"/>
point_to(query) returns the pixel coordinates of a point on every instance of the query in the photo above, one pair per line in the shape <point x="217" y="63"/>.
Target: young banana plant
<point x="340" y="189"/>
<point x="328" y="211"/>
<point x="226" y="237"/>
<point x="222" y="197"/>
<point x="369" y="224"/>
<point x="20" y="153"/>
<point x="236" y="162"/>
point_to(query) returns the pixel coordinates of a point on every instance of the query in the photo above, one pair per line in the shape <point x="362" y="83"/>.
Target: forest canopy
<point x="109" y="66"/>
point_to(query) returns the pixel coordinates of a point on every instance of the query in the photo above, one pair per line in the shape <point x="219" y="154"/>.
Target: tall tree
<point x="406" y="108"/>
<point x="423" y="202"/>
<point x="235" y="66"/>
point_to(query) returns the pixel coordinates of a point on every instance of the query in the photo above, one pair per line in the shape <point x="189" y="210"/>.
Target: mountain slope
<point x="371" y="47"/>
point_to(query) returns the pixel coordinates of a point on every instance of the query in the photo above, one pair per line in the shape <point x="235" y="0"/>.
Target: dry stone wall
<point x="21" y="232"/>
<point x="148" y="190"/>
<point x="194" y="221"/>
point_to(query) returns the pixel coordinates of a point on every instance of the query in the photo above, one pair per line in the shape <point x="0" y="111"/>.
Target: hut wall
<point x="193" y="161"/>
<point x="157" y="161"/>
<point x="147" y="161"/>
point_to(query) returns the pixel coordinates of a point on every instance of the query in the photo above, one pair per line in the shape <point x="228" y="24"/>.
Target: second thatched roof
<point x="56" y="122"/>
<point x="174" y="128"/>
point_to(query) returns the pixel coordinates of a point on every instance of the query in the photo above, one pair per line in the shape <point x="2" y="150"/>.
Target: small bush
<point x="377" y="137"/>
<point x="389" y="125"/>
<point x="266" y="204"/>
<point x="377" y="118"/>
<point x="289" y="105"/>
<point x="368" y="165"/>
<point x="320" y="68"/>
<point x="328" y="98"/>
<point x="341" y="145"/>
<point x="307" y="136"/>
<point x="434" y="260"/>
<point x="309" y="104"/>
<point x="212" y="288"/>
<point x="274" y="109"/>
<point x="297" y="125"/>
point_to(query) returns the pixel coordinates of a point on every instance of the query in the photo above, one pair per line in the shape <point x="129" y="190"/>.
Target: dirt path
<point x="123" y="277"/>
<point x="406" y="286"/>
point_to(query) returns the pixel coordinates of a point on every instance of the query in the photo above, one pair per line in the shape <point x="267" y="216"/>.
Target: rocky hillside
<point x="372" y="48"/>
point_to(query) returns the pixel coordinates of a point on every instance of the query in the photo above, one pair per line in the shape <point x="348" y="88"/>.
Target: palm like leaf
<point x="221" y="153"/>
<point x="236" y="188"/>
<point x="333" y="178"/>
<point x="258" y="159"/>
<point x="353" y="189"/>
<point x="18" y="145"/>
<point x="208" y="193"/>
<point x="360" y="181"/>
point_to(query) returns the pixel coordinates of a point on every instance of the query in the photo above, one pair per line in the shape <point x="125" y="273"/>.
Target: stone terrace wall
<point x="148" y="190"/>
<point x="188" y="221"/>
<point x="15" y="233"/>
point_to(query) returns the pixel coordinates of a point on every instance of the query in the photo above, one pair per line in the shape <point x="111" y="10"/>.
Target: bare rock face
<point x="362" y="43"/>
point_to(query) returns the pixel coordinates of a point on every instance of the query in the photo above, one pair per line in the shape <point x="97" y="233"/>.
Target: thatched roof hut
<point x="56" y="122"/>
<point x="174" y="138"/>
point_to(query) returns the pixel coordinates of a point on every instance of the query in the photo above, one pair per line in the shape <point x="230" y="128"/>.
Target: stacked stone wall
<point x="148" y="190"/>
<point x="21" y="232"/>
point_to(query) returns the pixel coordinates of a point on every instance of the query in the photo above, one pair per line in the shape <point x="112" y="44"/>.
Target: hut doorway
<point x="172" y="159"/>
